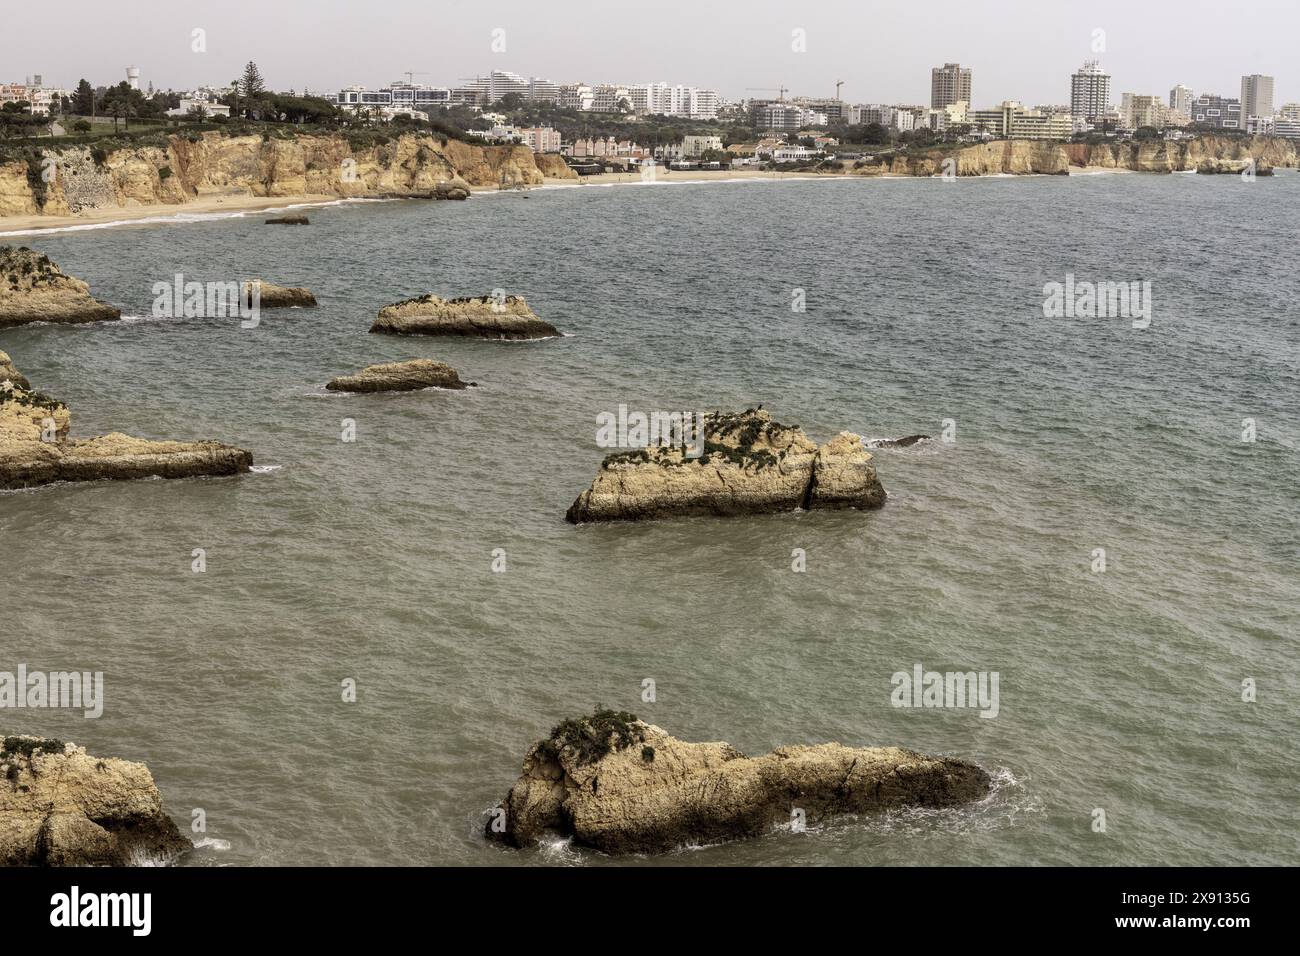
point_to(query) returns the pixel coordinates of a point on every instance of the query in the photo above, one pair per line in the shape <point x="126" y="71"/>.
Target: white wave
<point x="264" y="469"/>
<point x="212" y="843"/>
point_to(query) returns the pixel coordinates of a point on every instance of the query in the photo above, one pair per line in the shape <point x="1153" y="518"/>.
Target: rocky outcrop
<point x="180" y="168"/>
<point x="748" y="465"/>
<point x="1220" y="167"/>
<point x="35" y="448"/>
<point x="289" y="221"/>
<point x="553" y="166"/>
<point x="59" y="806"/>
<point x="33" y="289"/>
<point x="486" y="317"/>
<point x="273" y="296"/>
<point x="1034" y="157"/>
<point x="400" y="377"/>
<point x="619" y="785"/>
<point x="906" y="442"/>
<point x="10" y="375"/>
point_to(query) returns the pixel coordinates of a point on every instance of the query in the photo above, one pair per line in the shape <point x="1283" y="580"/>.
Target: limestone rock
<point x="399" y="377"/>
<point x="35" y="448"/>
<point x="33" y="289"/>
<point x="619" y="785"/>
<point x="289" y="221"/>
<point x="481" y="317"/>
<point x="277" y="296"/>
<point x="906" y="442"/>
<point x="749" y="465"/>
<point x="60" y="806"/>
<point x="10" y="374"/>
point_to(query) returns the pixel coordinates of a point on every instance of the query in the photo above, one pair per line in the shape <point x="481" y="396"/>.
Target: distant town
<point x="603" y="126"/>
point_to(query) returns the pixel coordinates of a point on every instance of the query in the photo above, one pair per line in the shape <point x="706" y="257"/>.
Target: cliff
<point x="619" y="785"/>
<point x="35" y="448"/>
<point x="748" y="464"/>
<point x="60" y="806"/>
<point x="1024" y="157"/>
<point x="213" y="164"/>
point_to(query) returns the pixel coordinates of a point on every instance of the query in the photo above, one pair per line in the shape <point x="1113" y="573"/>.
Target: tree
<point x="83" y="101"/>
<point x="122" y="102"/>
<point x="253" y="89"/>
<point x="81" y="126"/>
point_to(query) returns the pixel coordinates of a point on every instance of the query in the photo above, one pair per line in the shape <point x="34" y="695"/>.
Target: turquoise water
<point x="372" y="560"/>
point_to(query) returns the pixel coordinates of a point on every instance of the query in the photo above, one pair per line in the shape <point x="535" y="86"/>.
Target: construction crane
<point x="838" y="84"/>
<point x="412" y="74"/>
<point x="780" y="91"/>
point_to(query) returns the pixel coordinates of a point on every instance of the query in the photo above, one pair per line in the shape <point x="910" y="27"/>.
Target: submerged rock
<point x="484" y="317"/>
<point x="277" y="296"/>
<point x="907" y="442"/>
<point x="399" y="377"/>
<point x="619" y="785"/>
<point x="35" y="448"/>
<point x="33" y="289"/>
<point x="749" y="465"/>
<point x="289" y="221"/>
<point x="61" y="807"/>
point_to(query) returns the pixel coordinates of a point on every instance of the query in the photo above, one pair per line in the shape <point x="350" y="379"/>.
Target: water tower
<point x="133" y="77"/>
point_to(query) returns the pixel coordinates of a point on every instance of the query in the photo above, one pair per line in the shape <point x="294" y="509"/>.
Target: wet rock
<point x="399" y="377"/>
<point x="507" y="317"/>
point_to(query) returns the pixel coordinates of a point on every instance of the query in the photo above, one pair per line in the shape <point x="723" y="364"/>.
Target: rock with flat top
<point x="272" y="296"/>
<point x="399" y="377"/>
<point x="487" y="317"/>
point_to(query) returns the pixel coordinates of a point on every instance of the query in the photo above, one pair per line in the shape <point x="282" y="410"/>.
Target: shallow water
<point x="372" y="560"/>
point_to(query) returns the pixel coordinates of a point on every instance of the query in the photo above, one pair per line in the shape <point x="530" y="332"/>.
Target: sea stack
<point x="35" y="448"/>
<point x="400" y="377"/>
<point x="487" y="317"/>
<point x="273" y="296"/>
<point x="34" y="289"/>
<point x="60" y="806"/>
<point x="619" y="785"/>
<point x="748" y="465"/>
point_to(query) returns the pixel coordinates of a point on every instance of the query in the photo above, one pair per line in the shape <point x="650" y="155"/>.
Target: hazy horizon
<point x="1017" y="49"/>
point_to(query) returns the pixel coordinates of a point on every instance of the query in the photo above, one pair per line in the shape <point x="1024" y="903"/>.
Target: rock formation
<point x="289" y="221"/>
<point x="482" y="317"/>
<point x="619" y="785"/>
<point x="1212" y="166"/>
<point x="176" y="169"/>
<point x="277" y="296"/>
<point x="11" y="375"/>
<point x="400" y="377"/>
<point x="749" y="465"/>
<point x="907" y="442"/>
<point x="553" y="166"/>
<point x="33" y="289"/>
<point x="35" y="448"/>
<point x="60" y="806"/>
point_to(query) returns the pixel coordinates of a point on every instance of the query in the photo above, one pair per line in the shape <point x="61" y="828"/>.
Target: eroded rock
<point x="34" y="289"/>
<point x="399" y="377"/>
<point x="619" y="785"/>
<point x="749" y="465"/>
<point x="488" y="317"/>
<point x="59" y="806"/>
<point x="277" y="296"/>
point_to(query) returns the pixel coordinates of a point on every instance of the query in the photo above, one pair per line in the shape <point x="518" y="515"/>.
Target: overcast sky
<point x="883" y="51"/>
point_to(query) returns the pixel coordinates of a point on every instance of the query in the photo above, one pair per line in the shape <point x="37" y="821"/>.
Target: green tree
<point x="83" y="101"/>
<point x="253" y="90"/>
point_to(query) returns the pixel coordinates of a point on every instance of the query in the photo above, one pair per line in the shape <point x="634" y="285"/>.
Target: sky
<point x="883" y="51"/>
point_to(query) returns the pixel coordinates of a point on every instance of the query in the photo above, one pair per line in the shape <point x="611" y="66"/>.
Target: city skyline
<point x="1030" y="58"/>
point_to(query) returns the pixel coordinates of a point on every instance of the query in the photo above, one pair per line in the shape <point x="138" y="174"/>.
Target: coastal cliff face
<point x="1028" y="157"/>
<point x="60" y="806"/>
<point x="213" y="164"/>
<point x="619" y="785"/>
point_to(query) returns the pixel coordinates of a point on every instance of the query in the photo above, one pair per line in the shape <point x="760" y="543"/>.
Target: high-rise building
<point x="1139" y="111"/>
<point x="1256" y="97"/>
<point x="949" y="84"/>
<point x="1217" y="111"/>
<point x="1090" y="91"/>
<point x="1180" y="98"/>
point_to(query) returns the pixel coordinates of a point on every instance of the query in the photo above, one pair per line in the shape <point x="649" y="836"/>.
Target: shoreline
<point x="219" y="207"/>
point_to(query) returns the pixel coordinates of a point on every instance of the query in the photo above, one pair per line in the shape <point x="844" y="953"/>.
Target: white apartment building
<point x="693" y="146"/>
<point x="1256" y="97"/>
<point x="1090" y="91"/>
<point x="397" y="96"/>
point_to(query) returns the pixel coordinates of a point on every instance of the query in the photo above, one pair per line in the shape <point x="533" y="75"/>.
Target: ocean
<point x="371" y="561"/>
